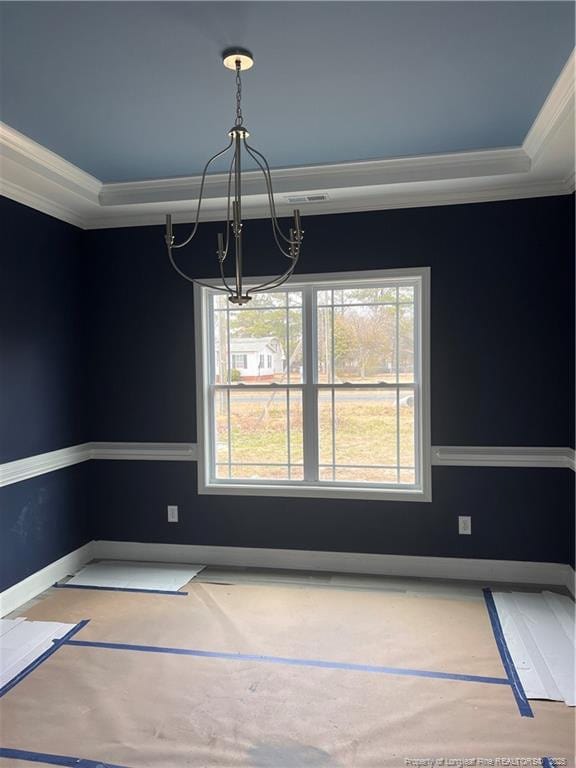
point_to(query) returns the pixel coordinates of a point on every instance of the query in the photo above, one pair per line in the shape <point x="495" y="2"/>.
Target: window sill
<point x="316" y="492"/>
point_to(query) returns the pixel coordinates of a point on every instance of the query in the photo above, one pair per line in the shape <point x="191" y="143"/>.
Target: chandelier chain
<point x="239" y="118"/>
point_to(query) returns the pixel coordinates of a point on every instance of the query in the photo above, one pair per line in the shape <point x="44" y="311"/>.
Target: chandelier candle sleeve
<point x="288" y="245"/>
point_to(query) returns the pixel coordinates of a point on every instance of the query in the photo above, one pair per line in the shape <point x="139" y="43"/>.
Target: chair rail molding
<point x="480" y="456"/>
<point x="447" y="456"/>
<point x="32" y="466"/>
<point x="144" y="451"/>
<point x="542" y="166"/>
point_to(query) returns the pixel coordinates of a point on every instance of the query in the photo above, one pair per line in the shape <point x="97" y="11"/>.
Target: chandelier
<point x="238" y="59"/>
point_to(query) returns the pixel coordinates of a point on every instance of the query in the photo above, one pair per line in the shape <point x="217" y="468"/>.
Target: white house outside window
<point x="319" y="388"/>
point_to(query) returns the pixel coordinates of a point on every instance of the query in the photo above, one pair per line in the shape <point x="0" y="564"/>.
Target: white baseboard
<point x="13" y="597"/>
<point x="513" y="571"/>
<point x="405" y="566"/>
<point x="570" y="580"/>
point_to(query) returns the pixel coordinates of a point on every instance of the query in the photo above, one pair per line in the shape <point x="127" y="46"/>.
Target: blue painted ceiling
<point x="136" y="90"/>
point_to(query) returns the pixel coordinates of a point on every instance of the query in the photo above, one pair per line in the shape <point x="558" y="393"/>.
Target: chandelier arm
<point x="272" y="286"/>
<point x="267" y="175"/>
<point x="187" y="277"/>
<point x="265" y="168"/>
<point x="276" y="281"/>
<point x="214" y="157"/>
<point x="275" y="227"/>
<point x="223" y="276"/>
<point x="292" y="240"/>
<point x="176" y="267"/>
<point x="209" y="285"/>
<point x="227" y="288"/>
<point x="276" y="230"/>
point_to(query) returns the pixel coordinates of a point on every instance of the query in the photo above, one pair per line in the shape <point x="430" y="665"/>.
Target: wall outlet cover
<point x="464" y="525"/>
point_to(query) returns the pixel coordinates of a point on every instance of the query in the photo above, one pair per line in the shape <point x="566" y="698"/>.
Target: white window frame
<point x="418" y="277"/>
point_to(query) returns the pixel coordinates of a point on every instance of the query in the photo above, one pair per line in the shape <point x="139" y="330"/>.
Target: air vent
<point x="321" y="197"/>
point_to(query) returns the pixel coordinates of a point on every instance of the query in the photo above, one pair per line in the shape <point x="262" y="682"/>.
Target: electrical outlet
<point x="465" y="525"/>
<point x="172" y="513"/>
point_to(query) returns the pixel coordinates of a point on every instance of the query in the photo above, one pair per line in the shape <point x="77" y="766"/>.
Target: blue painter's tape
<point x="517" y="688"/>
<point x="292" y="662"/>
<point x="42" y="757"/>
<point x="58" y="643"/>
<point x="121" y="589"/>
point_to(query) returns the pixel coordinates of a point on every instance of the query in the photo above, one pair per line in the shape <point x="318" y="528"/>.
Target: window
<point x="342" y="410"/>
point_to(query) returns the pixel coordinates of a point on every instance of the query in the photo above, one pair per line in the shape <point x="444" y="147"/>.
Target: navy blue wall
<point x="41" y="520"/>
<point x="502" y="318"/>
<point x="42" y="377"/>
<point x="42" y="342"/>
<point x="518" y="514"/>
<point x="97" y="343"/>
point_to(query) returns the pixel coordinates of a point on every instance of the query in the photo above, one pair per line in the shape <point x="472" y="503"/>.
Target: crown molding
<point x="42" y="203"/>
<point x="40" y="179"/>
<point x="542" y="166"/>
<point x="349" y="176"/>
<point x="558" y="107"/>
<point x="29" y="154"/>
<point x="377" y="198"/>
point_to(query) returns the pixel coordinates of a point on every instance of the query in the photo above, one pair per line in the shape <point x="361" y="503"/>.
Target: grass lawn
<point x="365" y="434"/>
